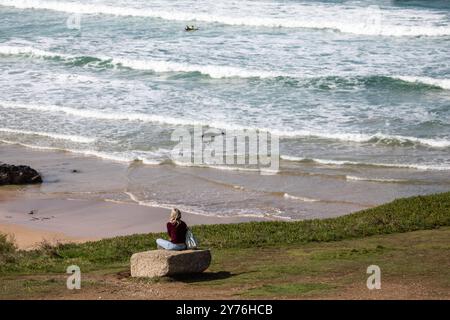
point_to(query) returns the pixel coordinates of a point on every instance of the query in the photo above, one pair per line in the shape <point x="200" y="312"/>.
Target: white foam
<point x="123" y="157"/>
<point x="356" y="20"/>
<point x="96" y="114"/>
<point x="111" y="115"/>
<point x="214" y="71"/>
<point x="73" y="78"/>
<point x="153" y="203"/>
<point x="361" y="138"/>
<point x="441" y="83"/>
<point x="223" y="167"/>
<point x="27" y="50"/>
<point x="292" y="158"/>
<point x="433" y="167"/>
<point x="304" y="199"/>
<point x="160" y="66"/>
<point x="73" y="138"/>
<point x="354" y="178"/>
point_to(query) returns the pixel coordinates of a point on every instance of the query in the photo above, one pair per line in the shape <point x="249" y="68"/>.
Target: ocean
<point x="358" y="93"/>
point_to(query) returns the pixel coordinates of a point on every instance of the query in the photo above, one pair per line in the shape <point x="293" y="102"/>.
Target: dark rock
<point x="10" y="174"/>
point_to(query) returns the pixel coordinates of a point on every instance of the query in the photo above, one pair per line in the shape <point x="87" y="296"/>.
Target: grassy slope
<point x="277" y="258"/>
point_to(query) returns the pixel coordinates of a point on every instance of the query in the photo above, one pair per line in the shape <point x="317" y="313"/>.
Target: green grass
<point x="414" y="265"/>
<point x="402" y="215"/>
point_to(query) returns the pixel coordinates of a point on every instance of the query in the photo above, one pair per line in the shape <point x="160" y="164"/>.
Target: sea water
<point x="358" y="93"/>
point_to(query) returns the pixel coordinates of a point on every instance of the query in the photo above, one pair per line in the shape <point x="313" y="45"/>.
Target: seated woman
<point x="176" y="228"/>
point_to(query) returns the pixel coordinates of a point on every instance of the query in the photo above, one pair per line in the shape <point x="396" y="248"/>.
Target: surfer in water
<point x="190" y="28"/>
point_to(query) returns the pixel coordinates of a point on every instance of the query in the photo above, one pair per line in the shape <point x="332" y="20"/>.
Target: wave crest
<point x="346" y="137"/>
<point x="216" y="71"/>
<point x="57" y="136"/>
<point x="355" y="20"/>
<point x="159" y="66"/>
<point x="330" y="162"/>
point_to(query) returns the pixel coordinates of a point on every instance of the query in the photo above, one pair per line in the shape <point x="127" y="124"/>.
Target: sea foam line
<point x="123" y="157"/>
<point x="153" y="203"/>
<point x="135" y="155"/>
<point x="370" y="164"/>
<point x="303" y="199"/>
<point x="159" y="66"/>
<point x="214" y="71"/>
<point x="73" y="138"/>
<point x="114" y="116"/>
<point x="355" y="178"/>
<point x="348" y="23"/>
<point x="441" y="83"/>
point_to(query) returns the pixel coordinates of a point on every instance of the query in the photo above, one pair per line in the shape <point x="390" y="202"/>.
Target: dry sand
<point x="27" y="238"/>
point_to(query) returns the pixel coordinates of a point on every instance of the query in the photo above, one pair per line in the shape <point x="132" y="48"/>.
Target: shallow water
<point x="358" y="92"/>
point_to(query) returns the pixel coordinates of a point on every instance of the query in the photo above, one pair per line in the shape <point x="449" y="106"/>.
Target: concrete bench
<point x="159" y="263"/>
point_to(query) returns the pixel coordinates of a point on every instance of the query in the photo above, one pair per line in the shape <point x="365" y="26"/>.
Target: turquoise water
<point x="355" y="90"/>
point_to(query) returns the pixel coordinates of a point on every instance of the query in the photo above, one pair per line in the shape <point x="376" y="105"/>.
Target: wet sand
<point x="63" y="220"/>
<point x="87" y="205"/>
<point x="85" y="197"/>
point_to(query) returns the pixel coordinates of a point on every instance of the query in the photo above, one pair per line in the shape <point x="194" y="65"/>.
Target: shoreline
<point x="74" y="220"/>
<point x="290" y="260"/>
<point x="89" y="198"/>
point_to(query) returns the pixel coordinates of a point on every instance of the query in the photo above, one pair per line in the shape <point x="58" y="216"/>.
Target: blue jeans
<point x="169" y="245"/>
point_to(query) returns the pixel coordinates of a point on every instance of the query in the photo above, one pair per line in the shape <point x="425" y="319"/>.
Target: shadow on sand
<point x="192" y="277"/>
<point x="203" y="277"/>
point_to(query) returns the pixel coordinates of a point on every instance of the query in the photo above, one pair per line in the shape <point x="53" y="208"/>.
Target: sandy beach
<point x="28" y="238"/>
<point x="87" y="198"/>
<point x="92" y="203"/>
<point x="63" y="220"/>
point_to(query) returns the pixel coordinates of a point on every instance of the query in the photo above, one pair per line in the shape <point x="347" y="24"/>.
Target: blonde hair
<point x="175" y="216"/>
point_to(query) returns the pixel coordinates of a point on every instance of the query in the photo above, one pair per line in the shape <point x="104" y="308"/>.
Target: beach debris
<point x="159" y="263"/>
<point x="75" y="171"/>
<point x="32" y="212"/>
<point x="11" y="174"/>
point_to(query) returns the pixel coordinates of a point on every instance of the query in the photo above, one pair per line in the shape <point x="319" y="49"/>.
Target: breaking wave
<point x="159" y="66"/>
<point x="73" y="138"/>
<point x="303" y="134"/>
<point x="368" y="164"/>
<point x="356" y="20"/>
<point x="215" y="71"/>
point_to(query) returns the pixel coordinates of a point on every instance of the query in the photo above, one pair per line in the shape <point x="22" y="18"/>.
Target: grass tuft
<point x="7" y="249"/>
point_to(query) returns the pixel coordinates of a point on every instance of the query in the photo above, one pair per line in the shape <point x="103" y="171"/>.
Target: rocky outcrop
<point x="10" y="174"/>
<point x="159" y="263"/>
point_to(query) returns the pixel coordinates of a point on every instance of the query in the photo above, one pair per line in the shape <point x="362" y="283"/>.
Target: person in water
<point x="176" y="228"/>
<point x="190" y="28"/>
